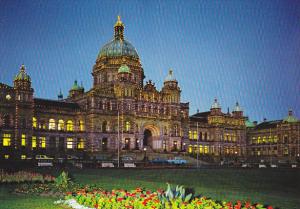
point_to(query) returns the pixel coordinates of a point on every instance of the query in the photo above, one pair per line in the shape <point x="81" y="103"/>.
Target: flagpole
<point x="197" y="147"/>
<point x="118" y="135"/>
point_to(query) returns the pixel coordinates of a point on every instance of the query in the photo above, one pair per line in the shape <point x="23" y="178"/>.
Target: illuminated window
<point x="80" y="144"/>
<point x="201" y="149"/>
<point x="259" y="140"/>
<point x="23" y="140"/>
<point x="23" y="157"/>
<point x="264" y="140"/>
<point x="6" y="157"/>
<point x="275" y="139"/>
<point x="81" y="125"/>
<point x="190" y="135"/>
<point x="51" y="124"/>
<point x="61" y="125"/>
<point x="190" y="150"/>
<point x="70" y="126"/>
<point x="270" y="139"/>
<point x="33" y="142"/>
<point x="195" y="135"/>
<point x="127" y="126"/>
<point x="34" y="122"/>
<point x="6" y="140"/>
<point x="42" y="142"/>
<point x="205" y="149"/>
<point x="69" y="143"/>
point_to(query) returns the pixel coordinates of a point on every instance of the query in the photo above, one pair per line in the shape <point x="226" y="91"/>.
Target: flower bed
<point x="140" y="198"/>
<point x="23" y="176"/>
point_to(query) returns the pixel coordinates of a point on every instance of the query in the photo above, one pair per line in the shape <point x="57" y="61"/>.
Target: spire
<point x="119" y="29"/>
<point x="60" y="96"/>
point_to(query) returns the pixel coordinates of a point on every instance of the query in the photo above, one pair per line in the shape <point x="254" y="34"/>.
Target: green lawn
<point x="278" y="187"/>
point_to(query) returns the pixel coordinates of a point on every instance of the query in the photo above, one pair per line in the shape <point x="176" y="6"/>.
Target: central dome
<point x="118" y="46"/>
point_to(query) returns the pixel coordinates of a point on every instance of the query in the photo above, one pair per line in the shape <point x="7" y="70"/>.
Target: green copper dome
<point x="75" y="86"/>
<point x="22" y="75"/>
<point x="118" y="46"/>
<point x="249" y="124"/>
<point x="290" y="118"/>
<point x="124" y="69"/>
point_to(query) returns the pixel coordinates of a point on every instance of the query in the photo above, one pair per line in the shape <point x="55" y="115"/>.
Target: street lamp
<point x="145" y="155"/>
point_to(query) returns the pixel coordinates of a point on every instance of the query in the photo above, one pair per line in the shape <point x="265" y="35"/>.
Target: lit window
<point x="51" y="124"/>
<point x="81" y="125"/>
<point x="127" y="126"/>
<point x="70" y="126"/>
<point x="23" y="157"/>
<point x="80" y="144"/>
<point x="195" y="135"/>
<point x="69" y="143"/>
<point x="205" y="149"/>
<point x="23" y="140"/>
<point x="190" y="150"/>
<point x="6" y="157"/>
<point x="190" y="135"/>
<point x="34" y="122"/>
<point x="201" y="149"/>
<point x="61" y="125"/>
<point x="33" y="142"/>
<point x="43" y="142"/>
<point x="6" y="140"/>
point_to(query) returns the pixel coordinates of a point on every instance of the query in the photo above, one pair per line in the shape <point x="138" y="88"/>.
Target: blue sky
<point x="246" y="51"/>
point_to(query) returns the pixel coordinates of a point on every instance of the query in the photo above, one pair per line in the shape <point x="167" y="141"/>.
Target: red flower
<point x="269" y="207"/>
<point x="120" y="199"/>
<point x="96" y="206"/>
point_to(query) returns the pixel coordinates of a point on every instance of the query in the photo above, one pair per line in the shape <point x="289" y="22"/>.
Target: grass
<point x="278" y="187"/>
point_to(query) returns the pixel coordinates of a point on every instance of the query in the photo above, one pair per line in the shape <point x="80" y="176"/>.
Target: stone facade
<point x="120" y="110"/>
<point x="216" y="134"/>
<point x="275" y="139"/>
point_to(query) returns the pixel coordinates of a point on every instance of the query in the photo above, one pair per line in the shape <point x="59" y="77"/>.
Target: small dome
<point x="249" y="124"/>
<point x="170" y="76"/>
<point x="124" y="69"/>
<point x="76" y="86"/>
<point x="215" y="105"/>
<point x="290" y="118"/>
<point x="22" y="75"/>
<point x="237" y="108"/>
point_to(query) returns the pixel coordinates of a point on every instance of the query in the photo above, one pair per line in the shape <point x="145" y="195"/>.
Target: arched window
<point x="34" y="122"/>
<point x="104" y="126"/>
<point x="70" y="126"/>
<point x="127" y="126"/>
<point x="51" y="124"/>
<point x="176" y="130"/>
<point x="61" y="125"/>
<point x="81" y="125"/>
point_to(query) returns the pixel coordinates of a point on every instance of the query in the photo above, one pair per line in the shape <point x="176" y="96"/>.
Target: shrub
<point x="24" y="176"/>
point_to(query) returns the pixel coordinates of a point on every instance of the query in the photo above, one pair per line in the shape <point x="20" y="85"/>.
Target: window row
<point x="59" y="125"/>
<point x="41" y="142"/>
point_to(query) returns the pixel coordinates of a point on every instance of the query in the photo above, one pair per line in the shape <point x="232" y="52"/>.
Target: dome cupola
<point x="22" y="75"/>
<point x="215" y="105"/>
<point x="118" y="46"/>
<point x="290" y="118"/>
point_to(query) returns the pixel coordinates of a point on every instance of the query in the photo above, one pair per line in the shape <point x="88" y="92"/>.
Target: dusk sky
<point x="246" y="51"/>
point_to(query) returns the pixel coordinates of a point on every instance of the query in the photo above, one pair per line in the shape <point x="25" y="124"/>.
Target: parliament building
<point x="123" y="112"/>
